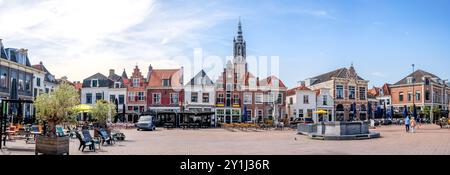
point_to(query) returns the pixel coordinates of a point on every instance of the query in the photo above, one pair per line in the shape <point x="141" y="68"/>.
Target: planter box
<point x="52" y="146"/>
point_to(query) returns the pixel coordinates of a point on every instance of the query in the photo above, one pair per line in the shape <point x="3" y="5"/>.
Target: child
<point x="413" y="124"/>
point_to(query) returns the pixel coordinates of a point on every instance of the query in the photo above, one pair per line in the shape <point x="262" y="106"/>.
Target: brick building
<point x="136" y="93"/>
<point x="422" y="89"/>
<point x="349" y="91"/>
<point x="242" y="97"/>
<point x="165" y="90"/>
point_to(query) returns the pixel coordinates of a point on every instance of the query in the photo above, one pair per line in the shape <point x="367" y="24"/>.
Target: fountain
<point x="357" y="130"/>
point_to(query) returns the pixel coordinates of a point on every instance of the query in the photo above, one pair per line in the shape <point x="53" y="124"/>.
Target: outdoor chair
<point x="60" y="131"/>
<point x="105" y="137"/>
<point x="84" y="143"/>
<point x="118" y="136"/>
<point x="88" y="138"/>
<point x="33" y="133"/>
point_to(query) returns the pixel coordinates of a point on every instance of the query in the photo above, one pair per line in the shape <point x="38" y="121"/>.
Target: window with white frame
<point x="280" y="98"/>
<point x="94" y="83"/>
<point x="258" y="98"/>
<point x="174" y="98"/>
<point x="131" y="96"/>
<point x="362" y="93"/>
<point x="166" y="83"/>
<point x="205" y="97"/>
<point x="141" y="96"/>
<point x="117" y="85"/>
<point x="339" y="92"/>
<point x="305" y="99"/>
<point x="157" y="98"/>
<point x="236" y="99"/>
<point x="194" y="97"/>
<point x="248" y="98"/>
<point x="221" y="98"/>
<point x="136" y="82"/>
<point x="351" y="92"/>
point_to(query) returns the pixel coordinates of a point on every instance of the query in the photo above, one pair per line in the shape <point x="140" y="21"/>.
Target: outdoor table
<point x="183" y="125"/>
<point x="33" y="139"/>
<point x="168" y="125"/>
<point x="10" y="135"/>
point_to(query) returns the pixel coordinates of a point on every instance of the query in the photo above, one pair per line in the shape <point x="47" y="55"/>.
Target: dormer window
<point x="94" y="83"/>
<point x="117" y="85"/>
<point x="409" y="80"/>
<point x="427" y="81"/>
<point x="166" y="82"/>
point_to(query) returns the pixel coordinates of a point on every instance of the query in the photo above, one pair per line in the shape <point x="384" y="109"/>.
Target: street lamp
<point x="413" y="80"/>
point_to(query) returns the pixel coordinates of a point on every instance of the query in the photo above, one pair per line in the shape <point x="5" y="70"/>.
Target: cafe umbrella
<point x="369" y="110"/>
<point x="354" y="111"/>
<point x="116" y="103"/>
<point x="405" y="112"/>
<point x="392" y="112"/>
<point x="123" y="112"/>
<point x="244" y="117"/>
<point x="14" y="95"/>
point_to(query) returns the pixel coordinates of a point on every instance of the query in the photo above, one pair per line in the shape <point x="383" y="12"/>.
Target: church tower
<point x="240" y="53"/>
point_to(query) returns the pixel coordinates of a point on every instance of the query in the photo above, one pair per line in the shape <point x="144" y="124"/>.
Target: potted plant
<point x="101" y="112"/>
<point x="54" y="109"/>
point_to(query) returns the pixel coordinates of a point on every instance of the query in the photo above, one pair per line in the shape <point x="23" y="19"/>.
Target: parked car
<point x="146" y="123"/>
<point x="296" y="121"/>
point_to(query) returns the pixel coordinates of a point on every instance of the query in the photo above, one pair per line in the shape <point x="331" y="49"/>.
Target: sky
<point x="381" y="38"/>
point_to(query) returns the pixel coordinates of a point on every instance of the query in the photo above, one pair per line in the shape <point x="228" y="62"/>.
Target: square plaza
<point x="428" y="140"/>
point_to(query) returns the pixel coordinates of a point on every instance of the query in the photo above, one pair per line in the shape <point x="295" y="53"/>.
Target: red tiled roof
<point x="78" y="85"/>
<point x="157" y="75"/>
<point x="270" y="81"/>
<point x="375" y="91"/>
<point x="299" y="88"/>
<point x="38" y="67"/>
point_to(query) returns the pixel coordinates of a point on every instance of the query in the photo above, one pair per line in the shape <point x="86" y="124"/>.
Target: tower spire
<point x="240" y="37"/>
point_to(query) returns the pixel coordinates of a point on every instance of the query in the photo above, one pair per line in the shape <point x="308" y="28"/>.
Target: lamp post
<point x="445" y="97"/>
<point x="413" y="80"/>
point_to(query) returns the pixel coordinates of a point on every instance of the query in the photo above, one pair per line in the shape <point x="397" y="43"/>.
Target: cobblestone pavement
<point x="394" y="141"/>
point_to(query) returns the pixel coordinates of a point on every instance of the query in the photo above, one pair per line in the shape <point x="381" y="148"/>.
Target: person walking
<point x="413" y="124"/>
<point x="407" y="122"/>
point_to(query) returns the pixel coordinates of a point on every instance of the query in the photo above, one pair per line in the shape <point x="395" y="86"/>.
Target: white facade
<point x="89" y="95"/>
<point x="325" y="102"/>
<point x="103" y="93"/>
<point x="200" y="98"/>
<point x="38" y="83"/>
<point x="49" y="86"/>
<point x="119" y="94"/>
<point x="304" y="104"/>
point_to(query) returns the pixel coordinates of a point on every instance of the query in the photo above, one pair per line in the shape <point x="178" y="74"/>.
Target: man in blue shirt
<point x="407" y="123"/>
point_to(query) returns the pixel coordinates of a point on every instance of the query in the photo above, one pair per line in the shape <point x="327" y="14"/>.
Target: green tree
<point x="426" y="111"/>
<point x="436" y="112"/>
<point x="102" y="110"/>
<point x="57" y="107"/>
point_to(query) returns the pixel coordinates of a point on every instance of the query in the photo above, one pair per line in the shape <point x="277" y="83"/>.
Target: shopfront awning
<point x="83" y="108"/>
<point x="321" y="112"/>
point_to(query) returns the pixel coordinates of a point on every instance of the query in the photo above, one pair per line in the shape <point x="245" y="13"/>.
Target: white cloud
<point x="78" y="38"/>
<point x="378" y="74"/>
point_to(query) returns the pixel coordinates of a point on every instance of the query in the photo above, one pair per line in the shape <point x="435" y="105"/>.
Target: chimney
<point x="149" y="74"/>
<point x="111" y="72"/>
<point x="182" y="75"/>
<point x="301" y="83"/>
